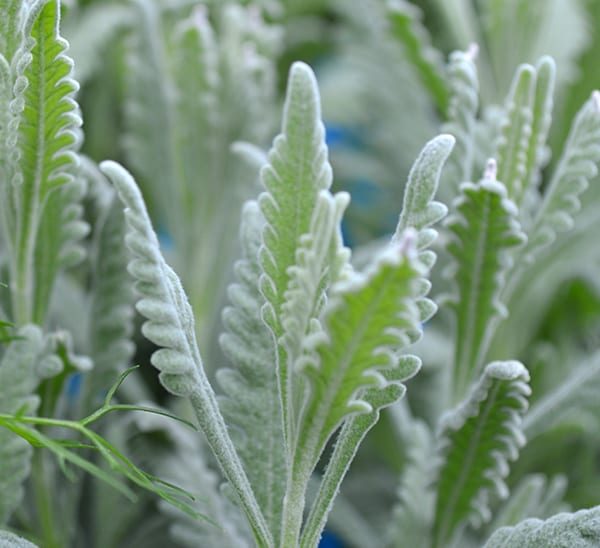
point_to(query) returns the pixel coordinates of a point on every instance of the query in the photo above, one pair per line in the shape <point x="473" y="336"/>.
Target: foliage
<point x="399" y="364"/>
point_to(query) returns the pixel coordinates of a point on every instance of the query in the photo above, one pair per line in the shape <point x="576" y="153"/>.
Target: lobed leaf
<point x="170" y="325"/>
<point x="419" y="210"/>
<point x="297" y="171"/>
<point x="413" y="513"/>
<point x="484" y="229"/>
<point x="18" y="380"/>
<point x="578" y="530"/>
<point x="575" y="399"/>
<point x="541" y="120"/>
<point x="477" y="439"/>
<point x="367" y="320"/>
<point x="44" y="129"/>
<point x="462" y="115"/>
<point x="348" y="442"/>
<point x="251" y="401"/>
<point x="514" y="141"/>
<point x="112" y="298"/>
<point x="576" y="167"/>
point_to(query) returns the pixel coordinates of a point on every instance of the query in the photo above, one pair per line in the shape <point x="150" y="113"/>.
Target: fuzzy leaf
<point x="413" y="514"/>
<point x="251" y="402"/>
<point x="369" y="317"/>
<point x="578" y="530"/>
<point x="18" y="380"/>
<point x="574" y="399"/>
<point x="418" y="209"/>
<point x="513" y="142"/>
<point x="542" y="118"/>
<point x="112" y="299"/>
<point x="533" y="497"/>
<point x="477" y="439"/>
<point x="170" y="325"/>
<point x="10" y="540"/>
<point x="483" y="229"/>
<point x="576" y="167"/>
<point x="44" y="131"/>
<point x="297" y="171"/>
<point x="462" y="115"/>
<point x="195" y="88"/>
<point x="348" y="442"/>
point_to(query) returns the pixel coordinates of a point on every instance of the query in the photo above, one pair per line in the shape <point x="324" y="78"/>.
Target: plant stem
<point x="43" y="502"/>
<point x="293" y="506"/>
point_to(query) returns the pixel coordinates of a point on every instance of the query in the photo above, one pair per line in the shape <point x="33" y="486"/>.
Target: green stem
<point x="294" y="503"/>
<point x="44" y="502"/>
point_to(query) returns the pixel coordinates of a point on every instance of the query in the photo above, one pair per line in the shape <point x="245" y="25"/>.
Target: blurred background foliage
<point x="188" y="94"/>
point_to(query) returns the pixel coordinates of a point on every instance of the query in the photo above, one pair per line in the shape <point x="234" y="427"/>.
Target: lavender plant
<point x="324" y="358"/>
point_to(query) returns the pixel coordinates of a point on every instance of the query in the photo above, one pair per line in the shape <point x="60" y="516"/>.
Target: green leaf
<point x="44" y="127"/>
<point x="297" y="171"/>
<point x="533" y="497"/>
<point x="477" y="439"/>
<point x="413" y="514"/>
<point x="193" y="89"/>
<point x="578" y="530"/>
<point x="369" y="317"/>
<point x="483" y="230"/>
<point x="18" y="381"/>
<point x="573" y="400"/>
<point x="408" y="29"/>
<point x="576" y="167"/>
<point x="462" y="116"/>
<point x="419" y="210"/>
<point x="112" y="298"/>
<point x="513" y="142"/>
<point x="348" y="442"/>
<point x="170" y="325"/>
<point x="542" y="118"/>
<point x="251" y="401"/>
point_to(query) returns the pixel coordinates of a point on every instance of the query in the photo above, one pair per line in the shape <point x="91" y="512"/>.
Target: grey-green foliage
<point x="315" y="348"/>
<point x="19" y="377"/>
<point x="578" y="530"/>
<point x="477" y="439"/>
<point x="209" y="82"/>
<point x="10" y="540"/>
<point x="484" y="229"/>
<point x="251" y="402"/>
<point x="40" y="122"/>
<point x="337" y="359"/>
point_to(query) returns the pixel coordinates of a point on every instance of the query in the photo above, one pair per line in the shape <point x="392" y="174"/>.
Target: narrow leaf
<point x="367" y="320"/>
<point x="170" y="325"/>
<point x="297" y="170"/>
<point x="576" y="167"/>
<point x="462" y="116"/>
<point x="46" y="121"/>
<point x="483" y="229"/>
<point x="409" y="30"/>
<point x="513" y="142"/>
<point x="419" y="210"/>
<point x="348" y="442"/>
<point x="251" y="401"/>
<point x="18" y="381"/>
<point x="477" y="440"/>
